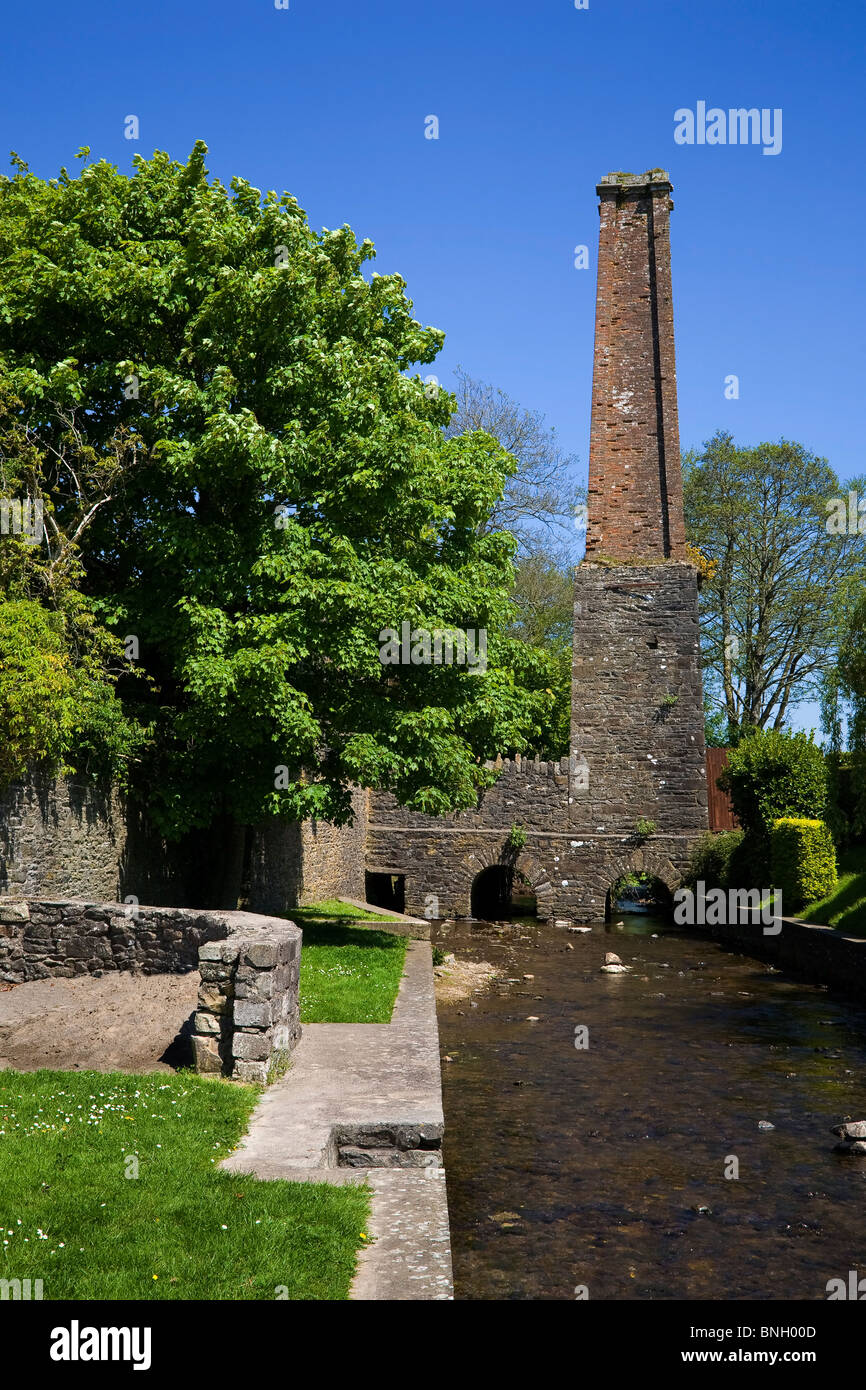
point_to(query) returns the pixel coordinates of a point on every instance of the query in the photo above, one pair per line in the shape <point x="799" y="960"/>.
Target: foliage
<point x="644" y="827"/>
<point x="287" y="490"/>
<point x="516" y="838"/>
<point x="843" y="703"/>
<point x="57" y="662"/>
<point x="36" y="688"/>
<point x="769" y="596"/>
<point x="711" y="860"/>
<point x="844" y="908"/>
<point x="771" y="774"/>
<point x="716" y="731"/>
<point x="803" y="860"/>
<point x="543" y="598"/>
<point x="79" y="1219"/>
<point x="541" y="496"/>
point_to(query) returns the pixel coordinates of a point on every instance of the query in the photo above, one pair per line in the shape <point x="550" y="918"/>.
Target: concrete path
<point x="374" y="1091"/>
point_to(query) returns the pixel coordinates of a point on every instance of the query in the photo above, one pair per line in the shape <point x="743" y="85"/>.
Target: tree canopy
<point x="769" y="599"/>
<point x="230" y="405"/>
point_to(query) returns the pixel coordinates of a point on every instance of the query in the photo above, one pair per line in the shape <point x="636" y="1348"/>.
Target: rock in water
<point x="765" y="1124"/>
<point x="850" y="1146"/>
<point x="615" y="969"/>
<point x="851" y="1129"/>
<point x="611" y="959"/>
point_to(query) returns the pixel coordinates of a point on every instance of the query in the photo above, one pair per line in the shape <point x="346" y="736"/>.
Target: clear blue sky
<point x="536" y="100"/>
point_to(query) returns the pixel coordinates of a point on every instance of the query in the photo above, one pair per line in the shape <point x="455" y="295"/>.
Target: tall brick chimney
<point x="635" y="484"/>
<point x="637" y="724"/>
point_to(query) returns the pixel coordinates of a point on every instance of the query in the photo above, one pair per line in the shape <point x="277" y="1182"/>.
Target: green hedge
<point x="803" y="860"/>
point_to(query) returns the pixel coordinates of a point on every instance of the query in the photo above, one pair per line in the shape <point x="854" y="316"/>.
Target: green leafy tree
<point x="58" y="707"/>
<point x="543" y="621"/>
<point x="768" y="600"/>
<point x="843" y="718"/>
<point x="287" y="493"/>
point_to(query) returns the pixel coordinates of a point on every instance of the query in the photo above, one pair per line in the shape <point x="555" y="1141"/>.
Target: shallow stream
<point x="605" y="1166"/>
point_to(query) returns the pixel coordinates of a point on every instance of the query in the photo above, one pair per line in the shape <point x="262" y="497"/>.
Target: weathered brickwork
<point x="248" y="1017"/>
<point x="43" y="937"/>
<point x="635" y="486"/>
<point x="637" y="705"/>
<point x="60" y="837"/>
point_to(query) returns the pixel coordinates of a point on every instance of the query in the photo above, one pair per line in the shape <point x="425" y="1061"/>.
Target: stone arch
<point x="488" y="855"/>
<point x="643" y="861"/>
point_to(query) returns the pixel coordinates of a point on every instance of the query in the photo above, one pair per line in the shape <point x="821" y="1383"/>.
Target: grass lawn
<point x="349" y="974"/>
<point x="845" y="907"/>
<point x="74" y="1215"/>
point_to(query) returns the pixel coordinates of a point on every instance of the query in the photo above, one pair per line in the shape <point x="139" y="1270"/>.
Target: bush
<point x="846" y="809"/>
<point x="771" y="775"/>
<point x="803" y="860"/>
<point x="710" y="860"/>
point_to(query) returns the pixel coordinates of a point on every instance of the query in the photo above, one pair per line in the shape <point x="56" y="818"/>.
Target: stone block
<point x="251" y="1047"/>
<point x="263" y="955"/>
<point x="206" y="1023"/>
<point x="206" y="1057"/>
<point x="249" y="1014"/>
<point x="212" y="998"/>
<point x="13" y="912"/>
<point x="251" y="1072"/>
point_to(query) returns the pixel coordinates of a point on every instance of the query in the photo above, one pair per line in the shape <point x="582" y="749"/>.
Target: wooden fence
<point x="721" y="812"/>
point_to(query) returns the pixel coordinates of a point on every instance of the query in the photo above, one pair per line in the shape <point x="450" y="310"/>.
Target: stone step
<point x="351" y="1156"/>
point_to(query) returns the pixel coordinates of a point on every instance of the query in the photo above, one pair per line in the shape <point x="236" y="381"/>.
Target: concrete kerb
<point x="386" y="920"/>
<point x="363" y="1102"/>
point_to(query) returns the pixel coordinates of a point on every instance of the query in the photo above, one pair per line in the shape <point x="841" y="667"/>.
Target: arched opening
<point x="502" y="892"/>
<point x="639" y="894"/>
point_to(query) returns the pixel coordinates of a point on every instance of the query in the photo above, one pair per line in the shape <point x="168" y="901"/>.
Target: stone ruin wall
<point x="248" y="1015"/>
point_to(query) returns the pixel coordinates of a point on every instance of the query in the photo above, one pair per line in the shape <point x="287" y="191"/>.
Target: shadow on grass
<point x="340" y="934"/>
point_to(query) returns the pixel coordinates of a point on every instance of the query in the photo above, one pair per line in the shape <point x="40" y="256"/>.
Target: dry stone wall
<point x="248" y="1015"/>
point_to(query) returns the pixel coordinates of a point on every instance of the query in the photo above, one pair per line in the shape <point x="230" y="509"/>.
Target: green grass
<point x="71" y="1216"/>
<point x="349" y="974"/>
<point x="845" y="907"/>
<point x="331" y="910"/>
